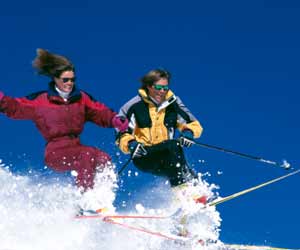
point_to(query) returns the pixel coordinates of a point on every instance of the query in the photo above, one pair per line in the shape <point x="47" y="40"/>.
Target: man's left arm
<point x="187" y="121"/>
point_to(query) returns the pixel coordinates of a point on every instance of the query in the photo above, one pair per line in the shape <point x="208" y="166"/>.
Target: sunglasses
<point x="161" y="87"/>
<point x="67" y="79"/>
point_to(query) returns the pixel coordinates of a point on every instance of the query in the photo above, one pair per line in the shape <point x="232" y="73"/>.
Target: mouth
<point x="68" y="87"/>
<point x="160" y="97"/>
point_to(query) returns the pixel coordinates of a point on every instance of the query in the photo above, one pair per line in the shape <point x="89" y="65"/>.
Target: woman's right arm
<point x="16" y="108"/>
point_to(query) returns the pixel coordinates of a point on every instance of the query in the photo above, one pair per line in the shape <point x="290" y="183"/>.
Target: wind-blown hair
<point x="153" y="76"/>
<point x="51" y="65"/>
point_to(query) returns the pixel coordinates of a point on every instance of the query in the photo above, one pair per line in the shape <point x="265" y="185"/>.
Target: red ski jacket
<point x="55" y="117"/>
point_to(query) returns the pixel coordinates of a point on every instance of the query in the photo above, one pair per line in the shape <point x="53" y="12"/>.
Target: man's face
<point x="159" y="90"/>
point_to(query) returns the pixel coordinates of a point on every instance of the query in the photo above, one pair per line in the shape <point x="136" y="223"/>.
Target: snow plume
<point x="37" y="216"/>
<point x="103" y="193"/>
<point x="41" y="215"/>
<point x="199" y="222"/>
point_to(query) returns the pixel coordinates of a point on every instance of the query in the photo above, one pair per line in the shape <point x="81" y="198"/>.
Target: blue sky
<point x="235" y="64"/>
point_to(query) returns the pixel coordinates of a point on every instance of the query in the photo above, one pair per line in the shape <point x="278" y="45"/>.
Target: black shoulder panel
<point x="141" y="112"/>
<point x="182" y="113"/>
<point x="171" y="116"/>
<point x="35" y="95"/>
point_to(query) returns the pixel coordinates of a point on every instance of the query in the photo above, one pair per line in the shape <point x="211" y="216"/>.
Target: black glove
<point x="137" y="149"/>
<point x="187" y="138"/>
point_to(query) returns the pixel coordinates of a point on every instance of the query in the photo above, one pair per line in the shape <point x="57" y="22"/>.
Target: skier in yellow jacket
<point x="154" y="115"/>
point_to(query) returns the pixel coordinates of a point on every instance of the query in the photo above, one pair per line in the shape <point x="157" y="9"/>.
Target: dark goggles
<point x="161" y="87"/>
<point x="67" y="79"/>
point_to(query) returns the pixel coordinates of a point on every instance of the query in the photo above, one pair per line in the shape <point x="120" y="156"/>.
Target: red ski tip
<point x="202" y="199"/>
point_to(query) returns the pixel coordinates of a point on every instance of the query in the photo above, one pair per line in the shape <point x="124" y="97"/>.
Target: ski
<point x="115" y="220"/>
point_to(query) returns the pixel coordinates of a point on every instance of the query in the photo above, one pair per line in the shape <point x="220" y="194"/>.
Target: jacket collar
<point x="54" y="96"/>
<point x="170" y="98"/>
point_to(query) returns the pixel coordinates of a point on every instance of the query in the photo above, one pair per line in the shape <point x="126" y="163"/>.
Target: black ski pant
<point x="166" y="159"/>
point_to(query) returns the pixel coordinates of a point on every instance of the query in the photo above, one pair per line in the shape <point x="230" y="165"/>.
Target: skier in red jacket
<point x="60" y="114"/>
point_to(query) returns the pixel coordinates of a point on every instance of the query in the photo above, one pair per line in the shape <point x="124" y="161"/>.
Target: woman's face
<point x="159" y="90"/>
<point x="66" y="81"/>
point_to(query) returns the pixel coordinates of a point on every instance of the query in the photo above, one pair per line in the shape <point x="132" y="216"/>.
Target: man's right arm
<point x="124" y="138"/>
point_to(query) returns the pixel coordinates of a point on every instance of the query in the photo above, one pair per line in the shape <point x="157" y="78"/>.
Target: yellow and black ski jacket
<point x="151" y="124"/>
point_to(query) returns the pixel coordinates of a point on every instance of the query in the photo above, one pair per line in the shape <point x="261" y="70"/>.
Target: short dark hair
<point x="51" y="65"/>
<point x="153" y="76"/>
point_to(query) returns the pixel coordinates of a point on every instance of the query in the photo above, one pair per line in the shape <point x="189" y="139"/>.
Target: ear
<point x="149" y="87"/>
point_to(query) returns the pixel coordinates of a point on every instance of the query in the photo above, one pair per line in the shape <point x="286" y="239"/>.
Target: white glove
<point x="187" y="138"/>
<point x="137" y="149"/>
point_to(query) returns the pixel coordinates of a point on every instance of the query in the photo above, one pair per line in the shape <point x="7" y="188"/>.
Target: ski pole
<point x="235" y="195"/>
<point x="124" y="166"/>
<point x="284" y="165"/>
